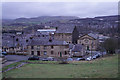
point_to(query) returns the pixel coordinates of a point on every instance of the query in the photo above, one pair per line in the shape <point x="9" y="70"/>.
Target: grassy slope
<point x="101" y="68"/>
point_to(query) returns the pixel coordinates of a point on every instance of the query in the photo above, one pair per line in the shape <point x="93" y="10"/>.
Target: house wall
<point x="56" y="50"/>
<point x="80" y="53"/>
<point x="63" y="37"/>
<point x="88" y="42"/>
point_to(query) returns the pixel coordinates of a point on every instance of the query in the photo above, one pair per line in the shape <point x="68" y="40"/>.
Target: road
<point x="14" y="58"/>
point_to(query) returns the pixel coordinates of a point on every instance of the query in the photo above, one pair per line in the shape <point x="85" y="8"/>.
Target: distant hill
<point x="44" y="19"/>
<point x="104" y="18"/>
<point x="96" y="23"/>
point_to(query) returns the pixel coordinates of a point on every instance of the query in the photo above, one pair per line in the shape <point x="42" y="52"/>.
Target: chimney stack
<point x="50" y="39"/>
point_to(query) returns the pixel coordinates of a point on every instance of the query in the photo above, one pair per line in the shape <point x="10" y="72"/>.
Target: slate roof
<point x="65" y="29"/>
<point x="46" y="42"/>
<point x="11" y="42"/>
<point x="95" y="36"/>
<point x="77" y="48"/>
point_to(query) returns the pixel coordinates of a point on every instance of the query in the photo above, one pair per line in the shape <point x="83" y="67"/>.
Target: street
<point x="14" y="58"/>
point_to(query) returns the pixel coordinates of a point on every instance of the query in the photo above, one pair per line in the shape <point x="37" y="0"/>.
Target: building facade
<point x="70" y="35"/>
<point x="78" y="50"/>
<point x="90" y="41"/>
<point x="49" y="49"/>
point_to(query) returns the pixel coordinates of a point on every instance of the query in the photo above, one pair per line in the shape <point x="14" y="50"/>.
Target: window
<point x="69" y="37"/>
<point x="38" y="35"/>
<point x="17" y="39"/>
<point x="32" y="52"/>
<point x="88" y="48"/>
<point x="38" y="47"/>
<point x="52" y="47"/>
<point x="45" y="52"/>
<point x="86" y="40"/>
<point x="27" y="40"/>
<point x="52" y="52"/>
<point x="62" y="35"/>
<point x="66" y="46"/>
<point x="65" y="52"/>
<point x="32" y="47"/>
<point x="45" y="47"/>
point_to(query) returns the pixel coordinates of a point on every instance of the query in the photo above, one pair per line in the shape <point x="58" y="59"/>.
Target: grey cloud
<point x="33" y="9"/>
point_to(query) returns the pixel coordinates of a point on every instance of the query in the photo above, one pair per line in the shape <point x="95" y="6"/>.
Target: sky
<point x="13" y="10"/>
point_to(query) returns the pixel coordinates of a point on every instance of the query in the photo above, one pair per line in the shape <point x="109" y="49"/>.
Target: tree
<point x="110" y="45"/>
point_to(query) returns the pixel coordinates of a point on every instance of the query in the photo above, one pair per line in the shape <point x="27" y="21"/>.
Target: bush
<point x="110" y="45"/>
<point x="63" y="62"/>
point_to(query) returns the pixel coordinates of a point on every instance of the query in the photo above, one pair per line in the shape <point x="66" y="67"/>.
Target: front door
<point x="60" y="54"/>
<point x="38" y="53"/>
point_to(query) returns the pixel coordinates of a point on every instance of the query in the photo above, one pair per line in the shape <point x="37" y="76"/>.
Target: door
<point x="32" y="52"/>
<point x="60" y="54"/>
<point x="38" y="53"/>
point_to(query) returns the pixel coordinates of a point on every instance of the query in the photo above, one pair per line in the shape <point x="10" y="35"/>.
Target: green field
<point x="106" y="67"/>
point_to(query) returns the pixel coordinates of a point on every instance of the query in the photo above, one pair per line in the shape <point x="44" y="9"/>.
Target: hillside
<point x="96" y="24"/>
<point x="44" y="19"/>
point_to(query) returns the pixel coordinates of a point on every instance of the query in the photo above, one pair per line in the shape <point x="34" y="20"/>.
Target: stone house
<point x="68" y="34"/>
<point x="48" y="48"/>
<point x="90" y="41"/>
<point x="14" y="43"/>
<point x="78" y="50"/>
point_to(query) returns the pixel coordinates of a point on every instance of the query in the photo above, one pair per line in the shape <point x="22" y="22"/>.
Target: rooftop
<point x="65" y="29"/>
<point x="47" y="42"/>
<point x="77" y="48"/>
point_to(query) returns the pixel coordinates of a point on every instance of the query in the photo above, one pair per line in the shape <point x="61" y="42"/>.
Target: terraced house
<point x="48" y="48"/>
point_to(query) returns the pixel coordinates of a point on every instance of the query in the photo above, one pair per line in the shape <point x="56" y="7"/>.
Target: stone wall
<point x="51" y="51"/>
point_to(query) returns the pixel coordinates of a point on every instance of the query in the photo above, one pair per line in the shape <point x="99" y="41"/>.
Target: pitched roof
<point x="65" y="29"/>
<point x="77" y="48"/>
<point x="95" y="36"/>
<point x="46" y="42"/>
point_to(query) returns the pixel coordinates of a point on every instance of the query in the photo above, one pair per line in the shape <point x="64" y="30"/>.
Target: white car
<point x="78" y="59"/>
<point x="89" y="58"/>
<point x="69" y="59"/>
<point x="50" y="58"/>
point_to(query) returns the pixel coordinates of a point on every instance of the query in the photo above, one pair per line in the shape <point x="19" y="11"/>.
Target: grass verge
<point x="100" y="68"/>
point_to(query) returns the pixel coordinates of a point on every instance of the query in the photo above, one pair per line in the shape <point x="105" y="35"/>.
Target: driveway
<point x="14" y="58"/>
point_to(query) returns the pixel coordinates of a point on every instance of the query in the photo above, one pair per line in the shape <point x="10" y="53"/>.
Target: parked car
<point x="89" y="58"/>
<point x="50" y="58"/>
<point x="44" y="59"/>
<point x="69" y="59"/>
<point x="78" y="59"/>
<point x="4" y="53"/>
<point x="33" y="58"/>
<point x="96" y="56"/>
